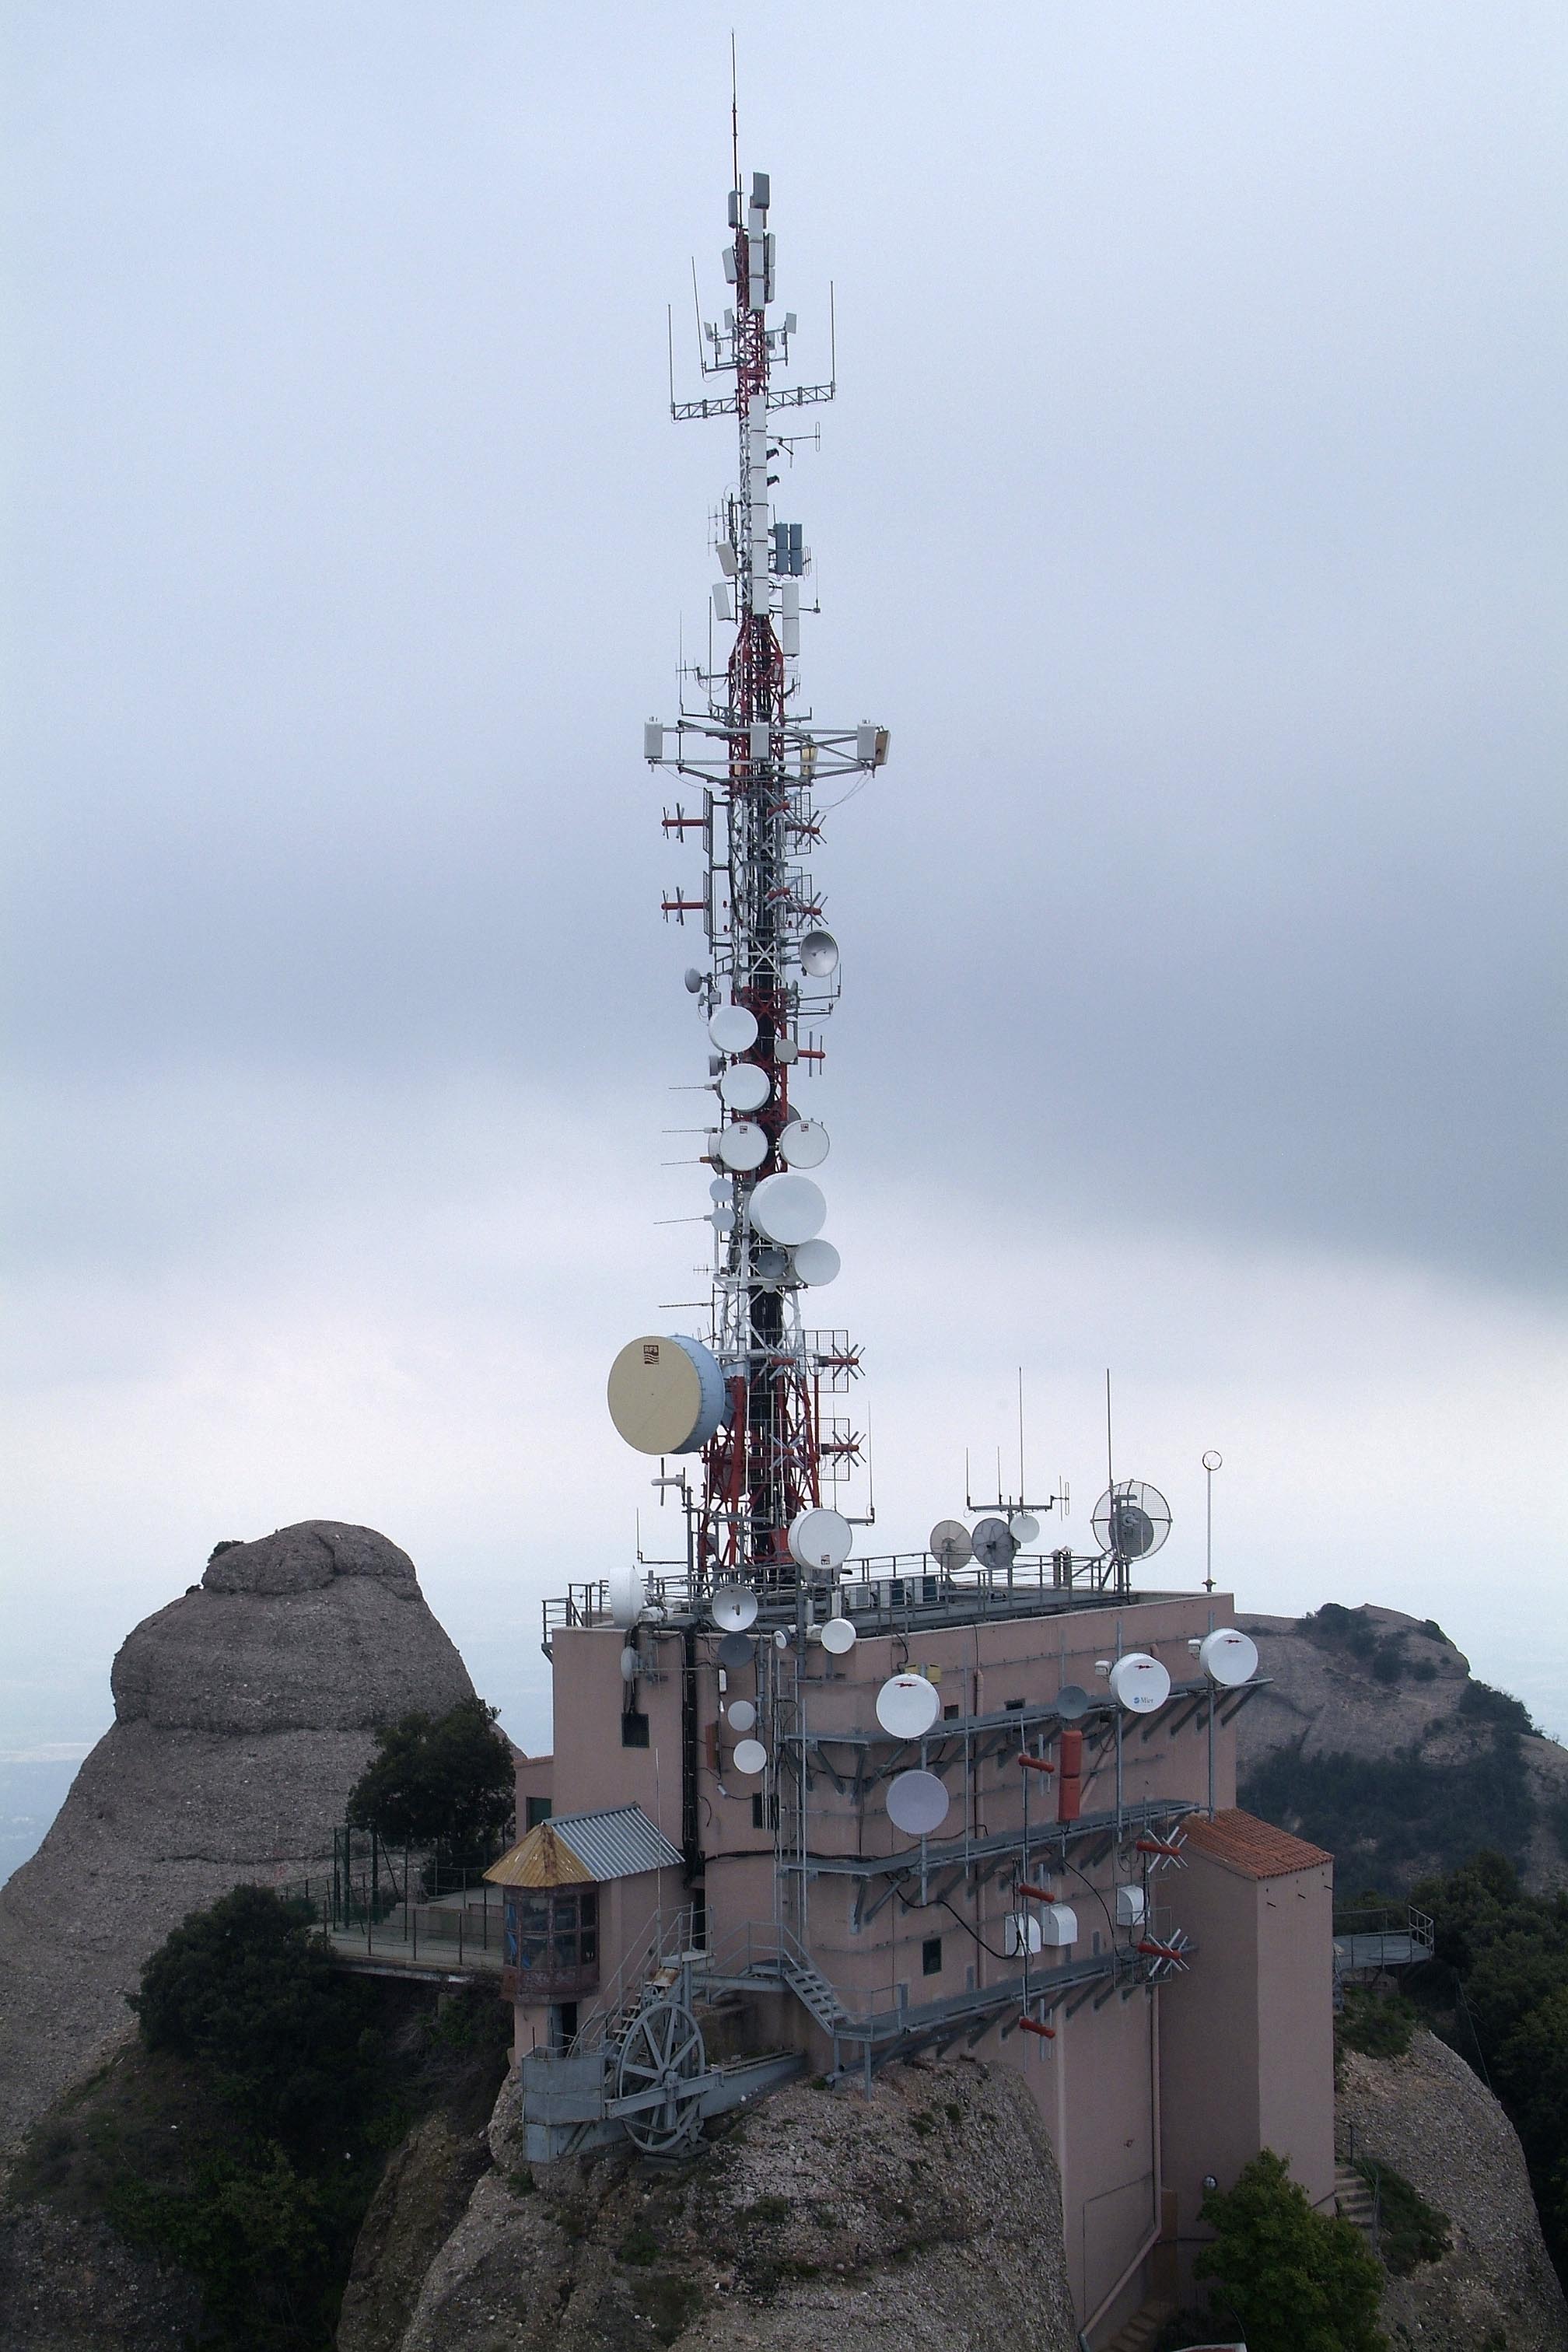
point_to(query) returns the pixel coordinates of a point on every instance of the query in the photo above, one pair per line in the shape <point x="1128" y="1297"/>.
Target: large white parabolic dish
<point x="1229" y="1657"/>
<point x="788" y="1208"/>
<point x="744" y="1146"/>
<point x="734" y="1608"/>
<point x="666" y="1395"/>
<point x="1140" y="1682"/>
<point x="820" y="1539"/>
<point x="838" y="1637"/>
<point x="804" y="1143"/>
<point x="917" y="1804"/>
<point x="744" y="1086"/>
<point x="732" y="1029"/>
<point x="907" y="1705"/>
<point x="751" y="1757"/>
<point x="819" y="955"/>
<point x="815" y="1263"/>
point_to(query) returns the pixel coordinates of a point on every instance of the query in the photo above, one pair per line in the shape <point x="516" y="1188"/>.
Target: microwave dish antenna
<point x="744" y="1086"/>
<point x="917" y="1804"/>
<point x="950" y="1545"/>
<point x="750" y="1758"/>
<point x="1140" y="1682"/>
<point x="788" y="1209"/>
<point x="907" y="1705"/>
<point x="1072" y="1701"/>
<point x="741" y="1714"/>
<point x="732" y="1028"/>
<point x="995" y="1545"/>
<point x="734" y="1608"/>
<point x="1229" y="1657"/>
<point x="820" y="1539"/>
<point x="814" y="1263"/>
<point x="838" y="1637"/>
<point x="1132" y="1519"/>
<point x="735" y="1651"/>
<point x="819" y="955"/>
<point x="804" y="1143"/>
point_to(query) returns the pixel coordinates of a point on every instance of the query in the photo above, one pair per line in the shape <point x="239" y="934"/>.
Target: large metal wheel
<point x="662" y="2052"/>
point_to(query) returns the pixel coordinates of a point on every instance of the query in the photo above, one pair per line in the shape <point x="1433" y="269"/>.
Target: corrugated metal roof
<point x="572" y="1849"/>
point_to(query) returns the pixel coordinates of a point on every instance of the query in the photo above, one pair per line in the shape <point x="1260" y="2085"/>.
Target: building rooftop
<point x="580" y="1849"/>
<point x="1253" y="1847"/>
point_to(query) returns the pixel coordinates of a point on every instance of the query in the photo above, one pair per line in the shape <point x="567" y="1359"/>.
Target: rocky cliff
<point x="244" y="1715"/>
<point x="1437" y="2124"/>
<point x="1447" y="1765"/>
<point x="926" y="2217"/>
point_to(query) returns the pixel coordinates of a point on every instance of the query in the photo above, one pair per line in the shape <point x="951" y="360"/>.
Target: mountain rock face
<point x="925" y="2217"/>
<point x="244" y="1715"/>
<point x="1437" y="2124"/>
<point x="1393" y="1692"/>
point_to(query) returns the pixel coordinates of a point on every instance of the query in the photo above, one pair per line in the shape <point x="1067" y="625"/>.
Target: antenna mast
<point x="774" y="968"/>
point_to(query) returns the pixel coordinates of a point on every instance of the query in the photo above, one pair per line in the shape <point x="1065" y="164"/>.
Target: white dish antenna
<point x="907" y="1705"/>
<point x="838" y="1637"/>
<point x="788" y="1208"/>
<point x="1072" y="1700"/>
<point x="629" y="1664"/>
<point x="732" y="1029"/>
<point x="995" y="1546"/>
<point x="667" y="1395"/>
<point x="820" y="1539"/>
<point x="1140" y="1682"/>
<point x="950" y="1545"/>
<point x="742" y="1146"/>
<point x="750" y="1758"/>
<point x="742" y="1715"/>
<point x="1132" y="1519"/>
<point x="1023" y="1528"/>
<point x="735" y="1651"/>
<point x="917" y="1804"/>
<point x="744" y="1086"/>
<point x="1020" y="1933"/>
<point x="734" y="1608"/>
<point x="817" y="1263"/>
<point x="1229" y="1657"/>
<point x="819" y="955"/>
<point x="804" y="1143"/>
<point x="626" y="1589"/>
<point x="722" y="1191"/>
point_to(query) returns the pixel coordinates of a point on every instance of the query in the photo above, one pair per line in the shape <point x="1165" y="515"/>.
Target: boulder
<point x="244" y="1714"/>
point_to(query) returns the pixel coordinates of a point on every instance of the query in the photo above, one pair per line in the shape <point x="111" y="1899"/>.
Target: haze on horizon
<point x="1192" y="511"/>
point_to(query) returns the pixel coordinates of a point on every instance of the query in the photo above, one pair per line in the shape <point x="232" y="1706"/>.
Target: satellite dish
<point x="950" y="1545"/>
<point x="751" y="1756"/>
<point x="695" y="981"/>
<point x="820" y="1539"/>
<point x="722" y="1189"/>
<point x="1132" y="1519"/>
<point x="1072" y="1700"/>
<point x="629" y="1664"/>
<point x="1024" y="1527"/>
<point x="1139" y="1683"/>
<point x="994" y="1545"/>
<point x="917" y="1804"/>
<point x="722" y="1218"/>
<point x="907" y="1705"/>
<point x="742" y="1146"/>
<point x="788" y="1208"/>
<point x="734" y="1607"/>
<point x="838" y="1637"/>
<point x="819" y="955"/>
<point x="771" y="1265"/>
<point x="1229" y="1657"/>
<point x="732" y="1029"/>
<point x="804" y="1143"/>
<point x="744" y="1086"/>
<point x="667" y="1395"/>
<point x="735" y="1651"/>
<point x="781" y="1639"/>
<point x="815" y="1263"/>
<point x="626" y="1589"/>
<point x="742" y="1715"/>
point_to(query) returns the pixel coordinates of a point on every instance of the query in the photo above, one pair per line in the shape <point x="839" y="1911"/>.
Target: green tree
<point x="1296" y="2281"/>
<point x="245" y="1989"/>
<point x="445" y="1780"/>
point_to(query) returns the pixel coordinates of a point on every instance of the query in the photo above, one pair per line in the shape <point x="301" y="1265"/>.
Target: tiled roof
<point x="1254" y="1847"/>
<point x="575" y="1849"/>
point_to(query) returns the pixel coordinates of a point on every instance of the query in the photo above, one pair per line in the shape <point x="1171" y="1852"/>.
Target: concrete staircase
<point x="1353" y="2202"/>
<point x="1141" y="2328"/>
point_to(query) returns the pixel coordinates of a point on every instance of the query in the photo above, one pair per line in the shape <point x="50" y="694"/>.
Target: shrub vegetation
<point x="1295" y="2280"/>
<point x="442" y="1781"/>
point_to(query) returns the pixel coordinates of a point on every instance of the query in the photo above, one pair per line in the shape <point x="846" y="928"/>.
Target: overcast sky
<point x="1192" y="511"/>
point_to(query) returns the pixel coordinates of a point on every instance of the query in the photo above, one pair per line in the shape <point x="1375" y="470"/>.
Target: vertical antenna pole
<point x="1212" y="1461"/>
<point x="1022" y="1483"/>
<point x="734" y="119"/>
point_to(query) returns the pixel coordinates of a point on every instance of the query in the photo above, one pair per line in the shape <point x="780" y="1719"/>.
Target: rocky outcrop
<point x="68" y="2284"/>
<point x="926" y="2216"/>
<point x="421" y="2197"/>
<point x="1374" y="1684"/>
<point x="244" y="1714"/>
<point x="1437" y="2124"/>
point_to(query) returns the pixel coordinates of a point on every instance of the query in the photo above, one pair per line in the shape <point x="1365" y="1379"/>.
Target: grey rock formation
<point x="244" y="1714"/>
<point x="68" y="2284"/>
<point x="1435" y="2122"/>
<point x="928" y="2216"/>
<point x="1326" y="1697"/>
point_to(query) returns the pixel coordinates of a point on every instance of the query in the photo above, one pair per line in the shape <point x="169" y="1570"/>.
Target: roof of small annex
<point x="584" y="1850"/>
<point x="1257" y="1849"/>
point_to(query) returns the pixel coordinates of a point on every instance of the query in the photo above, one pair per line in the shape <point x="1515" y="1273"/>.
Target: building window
<point x="553" y="1941"/>
<point x="765" y="1812"/>
<point x="537" y="1810"/>
<point x="633" y="1730"/>
<point x="931" y="1957"/>
<point x="949" y="1712"/>
<point x="1015" y="1707"/>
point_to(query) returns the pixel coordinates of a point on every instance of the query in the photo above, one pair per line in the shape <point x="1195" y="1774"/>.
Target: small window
<point x="931" y="1957"/>
<point x="633" y="1730"/>
<point x="537" y="1811"/>
<point x="765" y="1812"/>
<point x="1015" y="1707"/>
<point x="949" y="1712"/>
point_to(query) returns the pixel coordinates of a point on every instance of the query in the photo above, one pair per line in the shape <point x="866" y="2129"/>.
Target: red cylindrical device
<point x="1031" y="2025"/>
<point x="1036" y="1763"/>
<point x="1069" y="1786"/>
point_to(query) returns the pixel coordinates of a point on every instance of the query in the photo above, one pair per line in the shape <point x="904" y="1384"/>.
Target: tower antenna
<point x="734" y="117"/>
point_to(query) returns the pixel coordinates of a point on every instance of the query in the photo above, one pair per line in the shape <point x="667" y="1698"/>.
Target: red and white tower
<point x="749" y="1395"/>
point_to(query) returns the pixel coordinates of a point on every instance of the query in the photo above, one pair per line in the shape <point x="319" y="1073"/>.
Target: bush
<point x="250" y="2234"/>
<point x="1378" y="2026"/>
<point x="1409" y="2230"/>
<point x="1481" y="1704"/>
<point x="445" y="1781"/>
<point x="246" y="1991"/>
<point x="1296" y="2281"/>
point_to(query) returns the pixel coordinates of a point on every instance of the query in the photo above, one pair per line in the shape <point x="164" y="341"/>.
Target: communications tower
<point x="748" y="1395"/>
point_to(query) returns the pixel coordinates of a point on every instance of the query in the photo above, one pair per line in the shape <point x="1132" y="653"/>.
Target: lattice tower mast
<point x="762" y="763"/>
